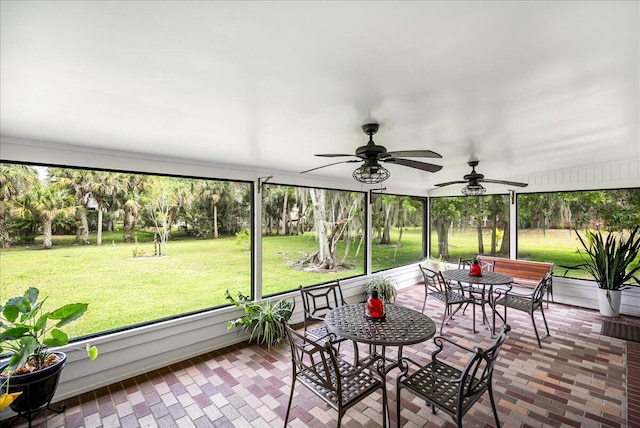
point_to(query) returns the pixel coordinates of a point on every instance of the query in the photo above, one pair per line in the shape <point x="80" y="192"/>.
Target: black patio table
<point x="487" y="280"/>
<point x="401" y="326"/>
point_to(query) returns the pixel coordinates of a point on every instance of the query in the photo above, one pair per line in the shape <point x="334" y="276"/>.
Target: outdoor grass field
<point x="124" y="290"/>
<point x="554" y="245"/>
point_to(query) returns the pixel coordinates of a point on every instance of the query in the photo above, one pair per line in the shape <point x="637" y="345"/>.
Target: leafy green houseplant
<point x="27" y="332"/>
<point x="386" y="288"/>
<point x="265" y="322"/>
<point x="610" y="262"/>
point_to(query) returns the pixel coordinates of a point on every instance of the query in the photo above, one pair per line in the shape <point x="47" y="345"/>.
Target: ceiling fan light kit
<point x="474" y="189"/>
<point x="371" y="174"/>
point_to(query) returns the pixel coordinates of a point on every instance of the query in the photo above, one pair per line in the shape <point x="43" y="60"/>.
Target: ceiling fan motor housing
<point x="370" y="128"/>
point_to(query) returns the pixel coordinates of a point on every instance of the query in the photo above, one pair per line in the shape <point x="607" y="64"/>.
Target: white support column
<point x="513" y="225"/>
<point x="257" y="239"/>
<point x="368" y="239"/>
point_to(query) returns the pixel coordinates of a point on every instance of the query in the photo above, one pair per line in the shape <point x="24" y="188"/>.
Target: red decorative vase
<point x="475" y="269"/>
<point x="374" y="306"/>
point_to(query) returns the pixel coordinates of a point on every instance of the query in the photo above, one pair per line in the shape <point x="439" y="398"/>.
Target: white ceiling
<point x="525" y="87"/>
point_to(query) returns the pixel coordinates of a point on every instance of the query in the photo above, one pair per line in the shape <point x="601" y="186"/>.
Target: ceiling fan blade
<point x="449" y="183"/>
<point x="335" y="163"/>
<point x="414" y="164"/>
<point x="333" y="155"/>
<point x="414" y="154"/>
<point x="508" y="183"/>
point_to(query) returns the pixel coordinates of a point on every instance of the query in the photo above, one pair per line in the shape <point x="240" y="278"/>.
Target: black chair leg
<point x="545" y="321"/>
<point x="533" y="321"/>
<point x="473" y="314"/>
<point x="293" y="384"/>
<point x="493" y="406"/>
<point x="398" y="400"/>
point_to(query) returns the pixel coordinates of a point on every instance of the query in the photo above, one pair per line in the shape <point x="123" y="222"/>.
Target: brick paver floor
<point x="578" y="379"/>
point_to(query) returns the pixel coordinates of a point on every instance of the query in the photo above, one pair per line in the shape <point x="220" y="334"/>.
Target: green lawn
<point x="122" y="290"/>
<point x="556" y="245"/>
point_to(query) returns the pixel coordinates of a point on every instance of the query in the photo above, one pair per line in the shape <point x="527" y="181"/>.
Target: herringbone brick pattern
<point x="578" y="379"/>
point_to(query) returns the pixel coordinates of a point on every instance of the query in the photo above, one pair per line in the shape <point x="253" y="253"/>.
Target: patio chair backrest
<point x="478" y="372"/>
<point x="318" y="363"/>
<point x="318" y="300"/>
<point x="485" y="266"/>
<point x="541" y="289"/>
<point x="432" y="280"/>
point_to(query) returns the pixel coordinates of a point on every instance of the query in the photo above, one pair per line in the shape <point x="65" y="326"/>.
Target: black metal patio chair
<point x="451" y="295"/>
<point x="448" y="388"/>
<point x="525" y="302"/>
<point x="317" y="301"/>
<point x="339" y="383"/>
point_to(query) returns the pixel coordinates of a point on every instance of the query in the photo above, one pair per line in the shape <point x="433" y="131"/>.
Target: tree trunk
<point x="326" y="259"/>
<point x="129" y="220"/>
<point x="84" y="226"/>
<point x="480" y="239"/>
<point x="493" y="236"/>
<point x="442" y="229"/>
<point x="4" y="232"/>
<point x="170" y="216"/>
<point x="506" y="237"/>
<point x="386" y="230"/>
<point x="99" y="237"/>
<point x="285" y="225"/>
<point x="215" y="221"/>
<point x="46" y="230"/>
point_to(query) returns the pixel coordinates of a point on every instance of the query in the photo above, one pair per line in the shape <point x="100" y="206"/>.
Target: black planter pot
<point x="37" y="388"/>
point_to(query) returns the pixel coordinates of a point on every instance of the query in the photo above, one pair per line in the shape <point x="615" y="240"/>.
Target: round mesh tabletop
<point x="401" y="326"/>
<point x="489" y="278"/>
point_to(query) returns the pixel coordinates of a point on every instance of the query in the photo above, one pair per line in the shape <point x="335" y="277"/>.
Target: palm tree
<point x="46" y="203"/>
<point x="105" y="187"/>
<point x="76" y="180"/>
<point x="136" y="185"/>
<point x="15" y="180"/>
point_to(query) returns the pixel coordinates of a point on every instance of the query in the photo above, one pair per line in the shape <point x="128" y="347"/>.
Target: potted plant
<point x="29" y="378"/>
<point x="387" y="290"/>
<point x="265" y="322"/>
<point x="610" y="262"/>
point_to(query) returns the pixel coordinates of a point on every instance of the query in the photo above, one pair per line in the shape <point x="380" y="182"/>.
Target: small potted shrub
<point x="610" y="262"/>
<point x="29" y="378"/>
<point x="265" y="322"/>
<point x="387" y="290"/>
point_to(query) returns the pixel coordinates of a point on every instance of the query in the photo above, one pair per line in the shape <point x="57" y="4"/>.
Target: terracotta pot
<point x="609" y="309"/>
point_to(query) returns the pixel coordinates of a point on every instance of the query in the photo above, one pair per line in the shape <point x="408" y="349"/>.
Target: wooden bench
<point x="524" y="273"/>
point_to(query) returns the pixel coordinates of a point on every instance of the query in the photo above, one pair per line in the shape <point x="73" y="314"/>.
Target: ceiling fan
<point x="473" y="180"/>
<point x="371" y="171"/>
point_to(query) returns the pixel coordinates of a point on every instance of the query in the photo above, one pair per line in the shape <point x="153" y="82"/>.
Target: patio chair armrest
<point x="329" y="337"/>
<point x="404" y="364"/>
<point x="314" y="317"/>
<point x="371" y="361"/>
<point x="518" y="294"/>
<point x="440" y="340"/>
<point x="503" y="291"/>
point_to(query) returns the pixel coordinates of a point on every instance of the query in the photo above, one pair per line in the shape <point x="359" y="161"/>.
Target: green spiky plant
<point x="610" y="260"/>
<point x="386" y="287"/>
<point x="28" y="333"/>
<point x="265" y="322"/>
